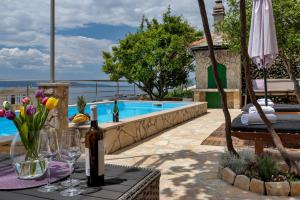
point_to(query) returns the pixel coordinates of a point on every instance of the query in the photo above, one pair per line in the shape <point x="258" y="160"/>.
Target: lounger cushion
<point x="280" y="126"/>
<point x="278" y="107"/>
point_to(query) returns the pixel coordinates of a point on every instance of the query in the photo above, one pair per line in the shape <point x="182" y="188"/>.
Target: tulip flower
<point x="25" y="100"/>
<point x="44" y="100"/>
<point x="30" y="110"/>
<point x="11" y="115"/>
<point x="40" y="94"/>
<point x="22" y="111"/>
<point x="51" y="103"/>
<point x="2" y="113"/>
<point x="6" y="105"/>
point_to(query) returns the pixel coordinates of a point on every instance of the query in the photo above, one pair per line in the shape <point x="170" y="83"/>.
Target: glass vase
<point x="25" y="158"/>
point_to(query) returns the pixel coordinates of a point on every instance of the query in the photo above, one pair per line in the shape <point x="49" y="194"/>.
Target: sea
<point x="91" y="90"/>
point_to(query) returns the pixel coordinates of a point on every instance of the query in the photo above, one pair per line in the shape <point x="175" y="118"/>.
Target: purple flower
<point x="30" y="110"/>
<point x="11" y="115"/>
<point x="40" y="94"/>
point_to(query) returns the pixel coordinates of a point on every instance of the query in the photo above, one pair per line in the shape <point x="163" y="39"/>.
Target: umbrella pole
<point x="266" y="89"/>
<point x="52" y="41"/>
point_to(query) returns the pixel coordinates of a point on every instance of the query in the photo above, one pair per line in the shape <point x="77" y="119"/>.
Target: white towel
<point x="266" y="109"/>
<point x="263" y="99"/>
<point x="254" y="118"/>
<point x="262" y="103"/>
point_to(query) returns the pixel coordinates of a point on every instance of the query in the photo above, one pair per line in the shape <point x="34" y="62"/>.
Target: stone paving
<point x="189" y="170"/>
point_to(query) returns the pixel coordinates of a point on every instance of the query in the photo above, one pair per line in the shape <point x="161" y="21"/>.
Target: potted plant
<point x="275" y="183"/>
<point x="28" y="121"/>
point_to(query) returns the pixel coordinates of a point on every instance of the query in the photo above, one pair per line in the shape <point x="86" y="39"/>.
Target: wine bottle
<point x="94" y="152"/>
<point x="116" y="112"/>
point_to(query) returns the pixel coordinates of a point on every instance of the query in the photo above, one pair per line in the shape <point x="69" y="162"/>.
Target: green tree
<point x="156" y="57"/>
<point x="287" y="22"/>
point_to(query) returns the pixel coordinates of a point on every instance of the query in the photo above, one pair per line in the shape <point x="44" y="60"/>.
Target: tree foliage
<point x="287" y="22"/>
<point x="155" y="58"/>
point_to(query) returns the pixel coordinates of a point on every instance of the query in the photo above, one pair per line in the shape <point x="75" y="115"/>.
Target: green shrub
<point x="180" y="92"/>
<point x="266" y="167"/>
<point x="292" y="177"/>
<point x="237" y="164"/>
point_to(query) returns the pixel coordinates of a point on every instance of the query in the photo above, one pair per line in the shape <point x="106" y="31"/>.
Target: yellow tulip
<point x="22" y="111"/>
<point x="51" y="103"/>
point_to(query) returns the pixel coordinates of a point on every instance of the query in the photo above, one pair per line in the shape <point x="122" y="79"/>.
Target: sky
<point x="84" y="28"/>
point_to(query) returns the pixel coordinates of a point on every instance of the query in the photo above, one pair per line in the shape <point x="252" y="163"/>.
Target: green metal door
<point x="210" y="76"/>
<point x="213" y="98"/>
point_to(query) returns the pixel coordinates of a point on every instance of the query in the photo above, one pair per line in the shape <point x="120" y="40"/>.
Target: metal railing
<point x="92" y="90"/>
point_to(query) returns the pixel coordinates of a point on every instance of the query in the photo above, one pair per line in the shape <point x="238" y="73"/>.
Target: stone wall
<point x="130" y="131"/>
<point x="57" y="118"/>
<point x="225" y="57"/>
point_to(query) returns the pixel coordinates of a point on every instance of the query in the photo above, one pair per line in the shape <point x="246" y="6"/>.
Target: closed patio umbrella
<point x="262" y="47"/>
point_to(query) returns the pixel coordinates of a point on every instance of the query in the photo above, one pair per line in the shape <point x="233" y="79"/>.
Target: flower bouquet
<point x="29" y="122"/>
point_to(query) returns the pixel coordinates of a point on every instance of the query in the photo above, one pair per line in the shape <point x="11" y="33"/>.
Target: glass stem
<point x="49" y="171"/>
<point x="71" y="175"/>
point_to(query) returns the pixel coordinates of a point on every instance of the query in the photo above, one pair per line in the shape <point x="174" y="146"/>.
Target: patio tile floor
<point x="189" y="170"/>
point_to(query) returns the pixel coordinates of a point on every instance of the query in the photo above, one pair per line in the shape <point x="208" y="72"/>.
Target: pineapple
<point x="81" y="117"/>
<point x="81" y="103"/>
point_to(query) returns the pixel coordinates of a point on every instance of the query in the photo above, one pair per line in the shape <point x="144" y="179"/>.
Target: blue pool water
<point x="127" y="109"/>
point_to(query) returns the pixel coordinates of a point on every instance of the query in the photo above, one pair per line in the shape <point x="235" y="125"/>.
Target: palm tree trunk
<point x="246" y="63"/>
<point x="217" y="78"/>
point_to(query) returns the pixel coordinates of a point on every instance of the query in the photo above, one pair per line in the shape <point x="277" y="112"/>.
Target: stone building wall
<point x="225" y="57"/>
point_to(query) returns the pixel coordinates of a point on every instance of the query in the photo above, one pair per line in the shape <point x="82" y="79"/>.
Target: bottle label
<point x="93" y="113"/>
<point x="87" y="161"/>
<point x="100" y="157"/>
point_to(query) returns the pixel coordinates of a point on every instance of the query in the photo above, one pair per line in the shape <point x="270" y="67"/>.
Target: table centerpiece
<point x="29" y="121"/>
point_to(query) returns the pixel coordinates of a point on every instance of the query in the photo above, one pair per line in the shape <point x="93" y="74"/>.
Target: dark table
<point x="121" y="182"/>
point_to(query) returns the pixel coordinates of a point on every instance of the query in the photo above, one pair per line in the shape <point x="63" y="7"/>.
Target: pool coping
<point x="6" y="138"/>
<point x="132" y="130"/>
<point x="111" y="125"/>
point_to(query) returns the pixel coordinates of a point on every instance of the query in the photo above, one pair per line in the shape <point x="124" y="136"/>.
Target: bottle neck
<point x="94" y="123"/>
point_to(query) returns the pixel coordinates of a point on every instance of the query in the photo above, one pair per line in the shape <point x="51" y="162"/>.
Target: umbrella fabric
<point x="262" y="42"/>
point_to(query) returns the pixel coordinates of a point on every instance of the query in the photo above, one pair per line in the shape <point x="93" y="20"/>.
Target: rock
<point x="242" y="182"/>
<point x="257" y="186"/>
<point x="277" y="188"/>
<point x="228" y="175"/>
<point x="295" y="188"/>
<point x="220" y="170"/>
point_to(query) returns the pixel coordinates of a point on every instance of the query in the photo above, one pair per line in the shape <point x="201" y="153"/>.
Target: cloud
<point x="28" y="59"/>
<point x="77" y="51"/>
<point x="71" y="52"/>
<point x="25" y="26"/>
<point x="24" y="15"/>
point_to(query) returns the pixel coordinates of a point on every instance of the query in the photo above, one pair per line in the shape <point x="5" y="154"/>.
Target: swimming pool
<point x="127" y="109"/>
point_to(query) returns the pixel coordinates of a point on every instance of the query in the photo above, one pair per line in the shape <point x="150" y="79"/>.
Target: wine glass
<point x="70" y="152"/>
<point x="48" y="148"/>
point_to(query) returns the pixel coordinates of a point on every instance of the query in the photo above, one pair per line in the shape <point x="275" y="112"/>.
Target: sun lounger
<point x="289" y="132"/>
<point x="280" y="108"/>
